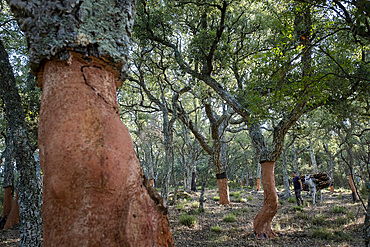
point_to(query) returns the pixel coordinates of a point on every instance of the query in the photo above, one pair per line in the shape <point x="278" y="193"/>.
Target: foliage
<point x="188" y="220"/>
<point x="319" y="219"/>
<point x="229" y="218"/>
<point x="292" y="200"/>
<point x="217" y="229"/>
<point x="338" y="209"/>
<point x="216" y="198"/>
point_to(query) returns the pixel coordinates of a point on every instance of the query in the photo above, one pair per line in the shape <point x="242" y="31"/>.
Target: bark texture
<point x="100" y="28"/>
<point x="29" y="211"/>
<point x="94" y="190"/>
<point x="262" y="222"/>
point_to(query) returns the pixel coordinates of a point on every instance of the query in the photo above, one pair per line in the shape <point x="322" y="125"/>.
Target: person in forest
<point x="297" y="182"/>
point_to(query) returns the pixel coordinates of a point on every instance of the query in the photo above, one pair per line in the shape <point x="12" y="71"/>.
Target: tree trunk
<point x="8" y="201"/>
<point x="313" y="158"/>
<point x="262" y="222"/>
<point x="331" y="165"/>
<point x="223" y="188"/>
<point x="8" y="173"/>
<point x="287" y="193"/>
<point x="353" y="188"/>
<point x="13" y="217"/>
<point x="193" y="181"/>
<point x="258" y="187"/>
<point x="29" y="211"/>
<point x="89" y="164"/>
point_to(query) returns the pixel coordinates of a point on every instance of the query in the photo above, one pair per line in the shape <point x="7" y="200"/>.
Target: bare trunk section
<point x="258" y="187"/>
<point x="223" y="189"/>
<point x="13" y="217"/>
<point x="262" y="222"/>
<point x="8" y="201"/>
<point x="353" y="188"/>
<point x="94" y="190"/>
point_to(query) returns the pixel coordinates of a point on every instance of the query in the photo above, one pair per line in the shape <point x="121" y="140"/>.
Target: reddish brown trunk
<point x="262" y="222"/>
<point x="258" y="184"/>
<point x="331" y="188"/>
<point x="353" y="188"/>
<point x="243" y="183"/>
<point x="152" y="182"/>
<point x="13" y="217"/>
<point x="223" y="189"/>
<point x="94" y="190"/>
<point x="8" y="199"/>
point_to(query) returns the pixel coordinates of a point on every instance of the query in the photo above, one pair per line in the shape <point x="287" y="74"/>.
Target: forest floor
<point x="336" y="221"/>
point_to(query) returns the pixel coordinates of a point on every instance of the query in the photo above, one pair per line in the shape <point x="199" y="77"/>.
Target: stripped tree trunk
<point x="80" y="125"/>
<point x="29" y="211"/>
<point x="262" y="222"/>
<point x="13" y="217"/>
<point x="259" y="170"/>
<point x="8" y="176"/>
<point x="353" y="188"/>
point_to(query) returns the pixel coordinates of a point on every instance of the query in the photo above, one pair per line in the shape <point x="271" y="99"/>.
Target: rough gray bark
<point x="312" y="157"/>
<point x="29" y="211"/>
<point x="98" y="28"/>
<point x="287" y="193"/>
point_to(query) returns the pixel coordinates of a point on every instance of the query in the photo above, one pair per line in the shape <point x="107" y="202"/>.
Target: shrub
<point x="281" y="202"/>
<point x="298" y="208"/>
<point x="350" y="215"/>
<point x="342" y="236"/>
<point x="235" y="194"/>
<point x="229" y="218"/>
<point x="201" y="210"/>
<point x="338" y="209"/>
<point x="245" y="210"/>
<point x="188" y="220"/>
<point x="180" y="206"/>
<point x="195" y="204"/>
<point x="340" y="221"/>
<point x="322" y="233"/>
<point x="302" y="215"/>
<point x="318" y="219"/>
<point x="250" y="198"/>
<point x="292" y="200"/>
<point x="216" y="228"/>
<point x="216" y="198"/>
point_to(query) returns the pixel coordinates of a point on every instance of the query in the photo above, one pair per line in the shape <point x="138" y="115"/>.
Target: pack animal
<point x="310" y="182"/>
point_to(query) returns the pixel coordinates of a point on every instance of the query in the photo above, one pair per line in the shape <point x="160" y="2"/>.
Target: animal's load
<point x="321" y="180"/>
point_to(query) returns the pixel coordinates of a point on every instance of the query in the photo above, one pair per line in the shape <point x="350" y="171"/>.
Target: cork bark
<point x="262" y="222"/>
<point x="94" y="190"/>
